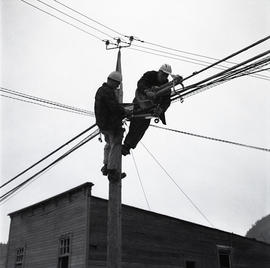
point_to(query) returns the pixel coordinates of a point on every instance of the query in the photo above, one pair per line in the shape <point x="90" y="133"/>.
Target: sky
<point x="47" y="58"/>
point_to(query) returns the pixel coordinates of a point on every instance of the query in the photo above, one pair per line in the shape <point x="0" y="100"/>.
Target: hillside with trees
<point x="260" y="230"/>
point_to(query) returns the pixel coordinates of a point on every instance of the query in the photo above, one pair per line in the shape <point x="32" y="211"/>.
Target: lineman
<point x="146" y="91"/>
<point x="109" y="114"/>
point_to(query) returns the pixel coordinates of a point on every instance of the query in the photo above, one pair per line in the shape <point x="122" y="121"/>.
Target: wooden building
<point x="69" y="231"/>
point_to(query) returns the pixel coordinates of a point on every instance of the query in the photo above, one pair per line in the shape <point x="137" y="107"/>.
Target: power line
<point x="89" y="113"/>
<point x="86" y="24"/>
<point x="138" y="174"/>
<point x="229" y="73"/>
<point x="48" y="155"/>
<point x="196" y="61"/>
<point x="264" y="77"/>
<point x="13" y="190"/>
<point x="51" y="107"/>
<point x="53" y="103"/>
<point x="230" y="56"/>
<point x="178" y="187"/>
<point x="153" y="44"/>
<point x="168" y="57"/>
<point x="13" y="193"/>
<point x="136" y="39"/>
<point x="89" y="18"/>
<point x="48" y="13"/>
<point x="213" y="139"/>
<point x="206" y="63"/>
<point x="196" y="88"/>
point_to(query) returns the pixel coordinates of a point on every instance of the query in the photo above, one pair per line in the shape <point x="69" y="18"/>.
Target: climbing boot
<point x="113" y="175"/>
<point x="104" y="170"/>
<point x="125" y="149"/>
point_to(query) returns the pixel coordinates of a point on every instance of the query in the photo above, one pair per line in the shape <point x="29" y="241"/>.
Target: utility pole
<point x="114" y="227"/>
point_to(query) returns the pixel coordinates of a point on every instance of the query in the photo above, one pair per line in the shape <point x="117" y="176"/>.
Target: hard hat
<point x="116" y="76"/>
<point x="166" y="68"/>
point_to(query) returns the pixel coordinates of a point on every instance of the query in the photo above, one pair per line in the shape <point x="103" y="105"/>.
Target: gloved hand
<point x="177" y="76"/>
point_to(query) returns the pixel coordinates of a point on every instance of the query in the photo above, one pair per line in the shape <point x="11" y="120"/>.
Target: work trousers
<point x="137" y="128"/>
<point x="112" y="149"/>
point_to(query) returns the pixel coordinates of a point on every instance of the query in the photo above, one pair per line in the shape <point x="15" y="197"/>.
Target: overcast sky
<point x="44" y="57"/>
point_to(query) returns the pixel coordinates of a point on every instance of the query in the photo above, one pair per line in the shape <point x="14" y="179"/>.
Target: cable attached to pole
<point x="179" y="188"/>
<point x="47" y="156"/>
<point x="13" y="190"/>
<point x="213" y="139"/>
<point x="138" y="174"/>
<point x="228" y="57"/>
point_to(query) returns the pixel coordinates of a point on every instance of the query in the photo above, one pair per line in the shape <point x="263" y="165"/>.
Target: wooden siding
<point x="153" y="240"/>
<point x="39" y="228"/>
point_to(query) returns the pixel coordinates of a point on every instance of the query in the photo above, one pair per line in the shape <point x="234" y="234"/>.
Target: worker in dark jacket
<point x="109" y="114"/>
<point x="146" y="93"/>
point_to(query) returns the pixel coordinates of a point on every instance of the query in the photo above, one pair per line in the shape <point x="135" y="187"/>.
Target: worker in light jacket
<point x="109" y="114"/>
<point x="146" y="95"/>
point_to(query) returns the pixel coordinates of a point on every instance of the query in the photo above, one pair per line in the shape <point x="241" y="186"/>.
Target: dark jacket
<point x="109" y="113"/>
<point x="149" y="80"/>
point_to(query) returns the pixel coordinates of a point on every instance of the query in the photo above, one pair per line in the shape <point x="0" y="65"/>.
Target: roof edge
<point x="75" y="189"/>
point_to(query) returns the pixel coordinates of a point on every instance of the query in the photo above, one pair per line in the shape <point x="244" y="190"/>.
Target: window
<point x="190" y="264"/>
<point x="224" y="260"/>
<point x="224" y="256"/>
<point x="64" y="251"/>
<point x="19" y="257"/>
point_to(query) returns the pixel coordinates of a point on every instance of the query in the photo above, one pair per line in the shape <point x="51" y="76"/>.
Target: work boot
<point x="125" y="149"/>
<point x="104" y="170"/>
<point x="113" y="175"/>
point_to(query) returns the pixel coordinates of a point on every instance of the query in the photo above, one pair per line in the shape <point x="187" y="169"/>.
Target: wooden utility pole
<point x="114" y="227"/>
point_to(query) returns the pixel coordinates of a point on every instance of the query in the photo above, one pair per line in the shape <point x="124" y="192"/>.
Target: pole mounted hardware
<point x="118" y="43"/>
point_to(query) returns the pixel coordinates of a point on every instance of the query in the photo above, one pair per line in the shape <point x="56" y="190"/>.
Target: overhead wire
<point x="205" y="63"/>
<point x="139" y="40"/>
<point x="139" y="177"/>
<point x="15" y="192"/>
<point x="43" y="105"/>
<point x="195" y="61"/>
<point x="230" y="56"/>
<point x="54" y="16"/>
<point x="264" y="77"/>
<point x="41" y="100"/>
<point x="68" y="7"/>
<point x="217" y="81"/>
<point x="72" y="17"/>
<point x="48" y="155"/>
<point x="220" y="76"/>
<point x="178" y="187"/>
<point x="81" y="143"/>
<point x="90" y="113"/>
<point x="170" y="57"/>
<point x="212" y="139"/>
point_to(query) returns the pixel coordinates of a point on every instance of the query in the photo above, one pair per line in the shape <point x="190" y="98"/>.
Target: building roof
<point x="53" y="198"/>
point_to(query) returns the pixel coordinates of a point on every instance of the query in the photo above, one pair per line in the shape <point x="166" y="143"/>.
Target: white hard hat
<point x="166" y="68"/>
<point x="116" y="76"/>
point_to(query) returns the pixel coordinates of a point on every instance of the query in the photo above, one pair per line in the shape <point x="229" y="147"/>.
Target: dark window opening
<point x="190" y="264"/>
<point x="224" y="260"/>
<point x="19" y="257"/>
<point x="63" y="262"/>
